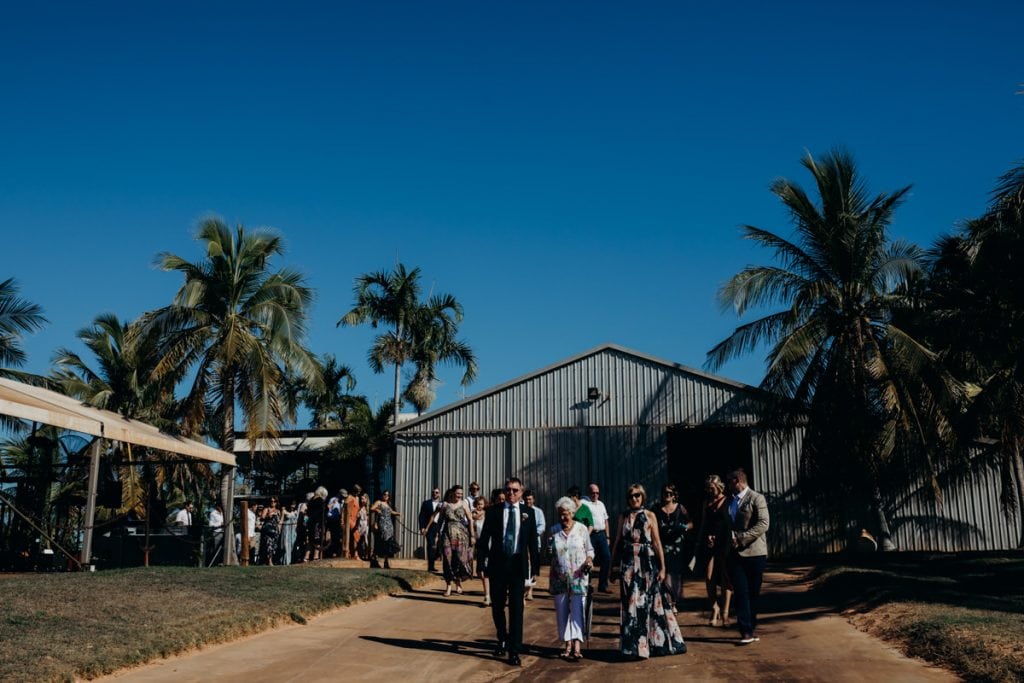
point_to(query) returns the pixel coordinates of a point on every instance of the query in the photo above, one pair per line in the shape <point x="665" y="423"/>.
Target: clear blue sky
<point x="574" y="173"/>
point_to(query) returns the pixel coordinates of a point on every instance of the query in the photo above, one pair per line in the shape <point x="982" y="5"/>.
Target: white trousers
<point x="569" y="616"/>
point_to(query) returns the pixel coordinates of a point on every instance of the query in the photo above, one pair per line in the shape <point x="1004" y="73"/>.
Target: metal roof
<point x="49" y="407"/>
<point x="731" y="384"/>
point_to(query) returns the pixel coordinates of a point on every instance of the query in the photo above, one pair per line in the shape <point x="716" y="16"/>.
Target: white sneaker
<point x="748" y="640"/>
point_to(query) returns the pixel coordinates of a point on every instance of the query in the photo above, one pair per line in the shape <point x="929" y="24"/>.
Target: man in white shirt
<point x="531" y="502"/>
<point x="183" y="519"/>
<point x="599" y="536"/>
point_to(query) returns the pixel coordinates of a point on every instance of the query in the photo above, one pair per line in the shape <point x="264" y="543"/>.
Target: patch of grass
<point x="963" y="613"/>
<point x="60" y="627"/>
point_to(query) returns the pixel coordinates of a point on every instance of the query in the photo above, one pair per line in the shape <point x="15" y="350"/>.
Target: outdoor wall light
<point x="593" y="393"/>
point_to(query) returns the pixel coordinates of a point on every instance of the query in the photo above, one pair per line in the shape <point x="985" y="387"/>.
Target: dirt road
<point x="423" y="636"/>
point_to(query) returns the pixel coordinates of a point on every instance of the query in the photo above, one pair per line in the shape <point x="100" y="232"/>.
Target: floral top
<point x="569" y="551"/>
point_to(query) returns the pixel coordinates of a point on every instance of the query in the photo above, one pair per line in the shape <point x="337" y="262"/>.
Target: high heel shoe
<point x="487" y="600"/>
<point x="716" y="617"/>
<point x="458" y="590"/>
<point x="448" y="591"/>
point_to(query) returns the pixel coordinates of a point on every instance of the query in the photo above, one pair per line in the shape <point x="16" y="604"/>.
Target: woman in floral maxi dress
<point x="647" y="625"/>
<point x="457" y="534"/>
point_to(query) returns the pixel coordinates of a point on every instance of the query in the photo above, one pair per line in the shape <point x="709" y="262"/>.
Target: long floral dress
<point x="268" y="537"/>
<point x="647" y="625"/>
<point x="457" y="551"/>
<point x="385" y="531"/>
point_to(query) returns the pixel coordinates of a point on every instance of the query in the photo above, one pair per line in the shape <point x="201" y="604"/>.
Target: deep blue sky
<point x="574" y="173"/>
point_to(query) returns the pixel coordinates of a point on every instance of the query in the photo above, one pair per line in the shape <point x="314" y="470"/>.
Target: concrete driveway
<point x="423" y="636"/>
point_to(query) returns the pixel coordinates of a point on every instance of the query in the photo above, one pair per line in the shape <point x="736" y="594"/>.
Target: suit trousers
<point x="746" y="574"/>
<point x="603" y="557"/>
<point x="507" y="587"/>
<point x="431" y="547"/>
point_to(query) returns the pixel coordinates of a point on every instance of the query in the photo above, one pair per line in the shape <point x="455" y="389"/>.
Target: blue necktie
<point x="510" y="531"/>
<point x="734" y="506"/>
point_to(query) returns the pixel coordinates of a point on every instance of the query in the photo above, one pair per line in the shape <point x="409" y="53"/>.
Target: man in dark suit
<point x="510" y="557"/>
<point x="428" y="512"/>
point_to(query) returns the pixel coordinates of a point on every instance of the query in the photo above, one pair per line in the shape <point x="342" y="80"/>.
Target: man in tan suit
<point x="749" y="512"/>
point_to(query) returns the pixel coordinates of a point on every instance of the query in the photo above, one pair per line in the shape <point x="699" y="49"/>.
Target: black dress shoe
<point x="513" y="660"/>
<point x="501" y="650"/>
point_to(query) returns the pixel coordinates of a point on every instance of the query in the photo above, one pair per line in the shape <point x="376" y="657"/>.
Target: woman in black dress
<point x="673" y="523"/>
<point x="713" y="542"/>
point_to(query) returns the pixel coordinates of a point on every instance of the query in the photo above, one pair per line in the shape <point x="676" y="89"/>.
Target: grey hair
<point x="321" y="492"/>
<point x="566" y="503"/>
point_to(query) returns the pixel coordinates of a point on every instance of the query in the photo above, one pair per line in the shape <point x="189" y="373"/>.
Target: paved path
<point x="423" y="636"/>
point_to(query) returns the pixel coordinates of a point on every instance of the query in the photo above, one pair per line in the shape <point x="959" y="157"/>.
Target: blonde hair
<point x="715" y="481"/>
<point x="633" y="488"/>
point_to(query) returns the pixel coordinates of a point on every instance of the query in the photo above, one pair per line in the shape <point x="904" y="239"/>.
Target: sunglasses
<point x="636" y="495"/>
<point x="509" y="489"/>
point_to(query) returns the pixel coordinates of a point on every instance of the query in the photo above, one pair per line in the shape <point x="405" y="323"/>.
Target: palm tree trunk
<point x="227" y="481"/>
<point x="885" y="543"/>
<point x="1018" y="474"/>
<point x="398" y="376"/>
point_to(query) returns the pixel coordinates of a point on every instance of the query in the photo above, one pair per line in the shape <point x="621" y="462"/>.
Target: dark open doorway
<point x="696" y="452"/>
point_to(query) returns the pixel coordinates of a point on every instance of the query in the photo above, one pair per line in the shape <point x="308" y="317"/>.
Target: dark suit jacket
<point x="426" y="512"/>
<point x="493" y="535"/>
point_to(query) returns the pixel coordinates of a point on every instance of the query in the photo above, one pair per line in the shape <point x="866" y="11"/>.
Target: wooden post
<point x="345" y="531"/>
<point x="244" y="560"/>
<point x="90" y="503"/>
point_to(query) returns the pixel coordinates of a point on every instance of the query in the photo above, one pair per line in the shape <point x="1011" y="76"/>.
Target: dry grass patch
<point x="963" y="613"/>
<point x="59" y="627"/>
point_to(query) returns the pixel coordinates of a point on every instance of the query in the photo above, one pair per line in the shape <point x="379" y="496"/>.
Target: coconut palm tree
<point x="330" y="406"/>
<point x="122" y="381"/>
<point x="239" y="327"/>
<point x="17" y="318"/>
<point x="436" y="343"/>
<point x="874" y="396"/>
<point x="975" y="291"/>
<point x="424" y="333"/>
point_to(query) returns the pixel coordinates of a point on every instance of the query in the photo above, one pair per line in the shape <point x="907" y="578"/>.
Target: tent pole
<point x="90" y="503"/>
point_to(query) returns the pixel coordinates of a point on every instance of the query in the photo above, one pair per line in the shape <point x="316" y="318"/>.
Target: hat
<point x="343" y="493"/>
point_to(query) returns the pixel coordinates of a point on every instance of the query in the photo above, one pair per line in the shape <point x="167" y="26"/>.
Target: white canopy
<point x="49" y="407"/>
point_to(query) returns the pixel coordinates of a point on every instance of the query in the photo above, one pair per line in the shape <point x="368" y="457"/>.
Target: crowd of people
<point x="309" y="528"/>
<point x="502" y="540"/>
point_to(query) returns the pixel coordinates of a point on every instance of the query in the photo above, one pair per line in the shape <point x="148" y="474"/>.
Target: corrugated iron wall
<point x="544" y="430"/>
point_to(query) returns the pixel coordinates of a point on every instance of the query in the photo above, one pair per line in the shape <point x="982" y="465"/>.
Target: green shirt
<point x="584" y="516"/>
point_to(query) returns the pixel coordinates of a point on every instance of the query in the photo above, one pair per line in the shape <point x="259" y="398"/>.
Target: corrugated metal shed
<point x="615" y="416"/>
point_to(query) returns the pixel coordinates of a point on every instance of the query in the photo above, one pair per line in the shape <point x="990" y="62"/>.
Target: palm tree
<point x="329" y="407"/>
<point x="423" y="333"/>
<point x="122" y="381"/>
<point x="873" y="395"/>
<point x="17" y="318"/>
<point x="975" y="290"/>
<point x="240" y="328"/>
<point x="437" y="326"/>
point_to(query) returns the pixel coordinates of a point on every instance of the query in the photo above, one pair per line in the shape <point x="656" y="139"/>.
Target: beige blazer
<point x="751" y="525"/>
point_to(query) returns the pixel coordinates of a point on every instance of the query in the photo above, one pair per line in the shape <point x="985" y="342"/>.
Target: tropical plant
<point x="329" y="407"/>
<point x="17" y="318"/>
<point x="240" y="328"/>
<point x="367" y="435"/>
<point x="123" y="381"/>
<point x="975" y="292"/>
<point x="876" y="401"/>
<point x="421" y="332"/>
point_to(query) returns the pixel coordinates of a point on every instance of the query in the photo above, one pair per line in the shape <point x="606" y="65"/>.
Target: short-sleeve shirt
<point x="584" y="515"/>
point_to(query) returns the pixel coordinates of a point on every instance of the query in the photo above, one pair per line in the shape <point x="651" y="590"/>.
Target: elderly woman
<point x="572" y="556"/>
<point x="647" y="625"/>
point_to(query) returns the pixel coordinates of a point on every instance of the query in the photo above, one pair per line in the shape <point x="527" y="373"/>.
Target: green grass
<point x="963" y="613"/>
<point x="59" y="627"/>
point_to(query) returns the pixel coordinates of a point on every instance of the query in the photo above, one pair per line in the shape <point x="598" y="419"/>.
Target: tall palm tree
<point x="436" y="343"/>
<point x="420" y="332"/>
<point x="975" y="290"/>
<point x="874" y="396"/>
<point x="17" y="318"/>
<point x="239" y="327"/>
